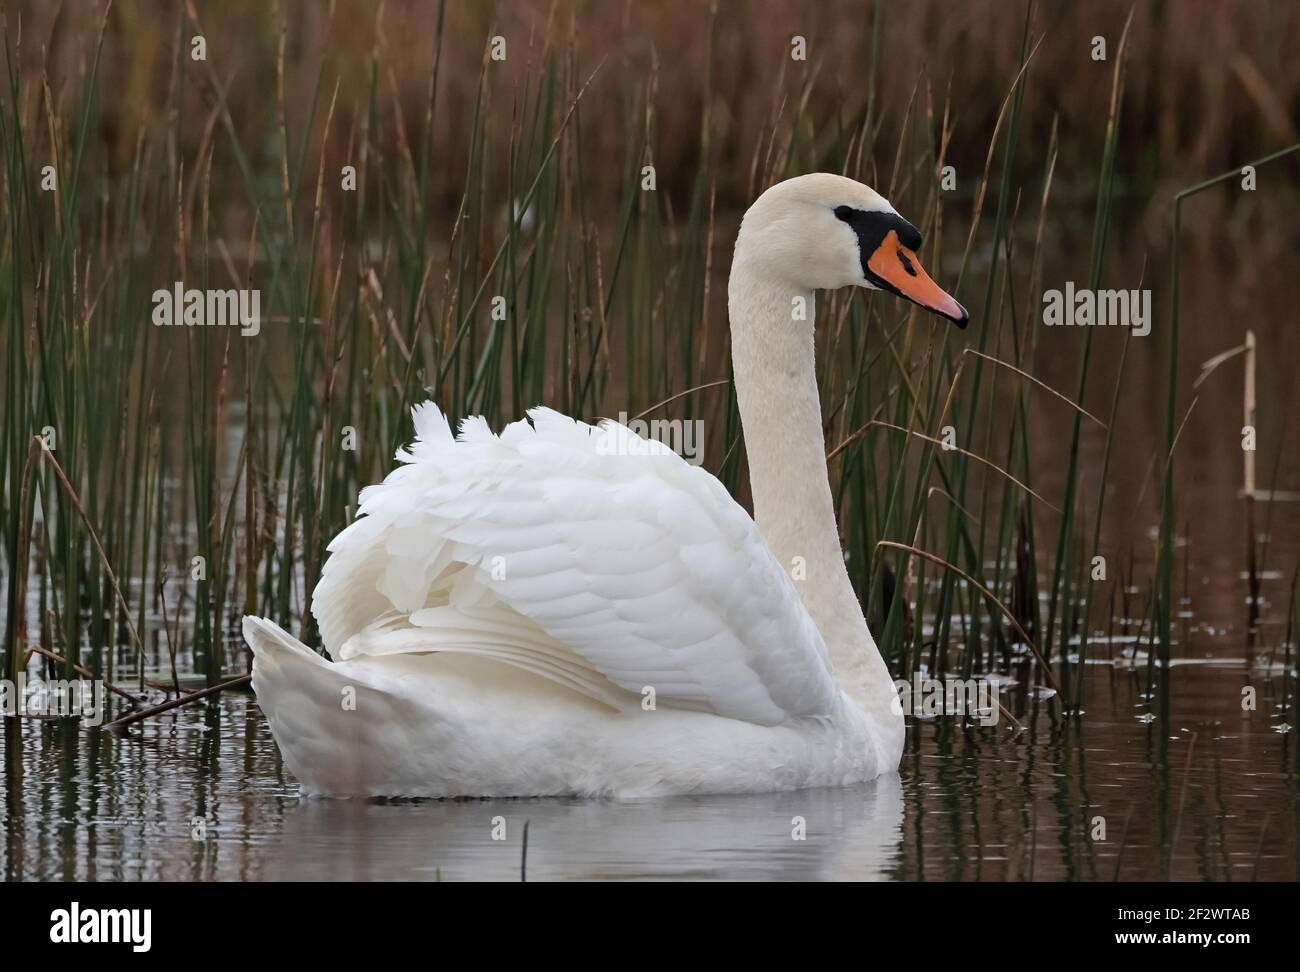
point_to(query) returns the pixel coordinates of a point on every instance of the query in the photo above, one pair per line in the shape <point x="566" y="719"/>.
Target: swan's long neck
<point x="776" y="388"/>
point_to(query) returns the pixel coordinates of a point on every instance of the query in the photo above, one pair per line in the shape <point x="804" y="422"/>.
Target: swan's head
<point x="822" y="232"/>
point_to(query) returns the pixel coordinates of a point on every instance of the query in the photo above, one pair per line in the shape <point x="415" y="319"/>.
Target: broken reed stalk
<point x="133" y="717"/>
<point x="80" y="669"/>
<point x="1248" y="488"/>
<point x="1165" y="549"/>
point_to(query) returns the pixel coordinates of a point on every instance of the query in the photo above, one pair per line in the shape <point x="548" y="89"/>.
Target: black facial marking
<point x="907" y="264"/>
<point x="872" y="227"/>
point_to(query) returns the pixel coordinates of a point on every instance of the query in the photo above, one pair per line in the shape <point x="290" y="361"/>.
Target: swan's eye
<point x="873" y="227"/>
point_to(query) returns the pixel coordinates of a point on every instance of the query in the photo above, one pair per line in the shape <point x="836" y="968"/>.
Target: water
<point x="1204" y="791"/>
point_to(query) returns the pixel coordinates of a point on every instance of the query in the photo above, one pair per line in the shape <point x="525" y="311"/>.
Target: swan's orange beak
<point x="898" y="267"/>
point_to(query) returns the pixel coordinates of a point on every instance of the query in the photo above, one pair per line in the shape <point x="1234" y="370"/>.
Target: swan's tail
<point x="270" y="642"/>
<point x="282" y="665"/>
<point x="312" y="707"/>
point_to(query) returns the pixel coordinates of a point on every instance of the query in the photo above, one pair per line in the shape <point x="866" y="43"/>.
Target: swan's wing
<point x="589" y="555"/>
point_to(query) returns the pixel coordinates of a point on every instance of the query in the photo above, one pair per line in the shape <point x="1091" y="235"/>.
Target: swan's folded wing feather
<point x="586" y="553"/>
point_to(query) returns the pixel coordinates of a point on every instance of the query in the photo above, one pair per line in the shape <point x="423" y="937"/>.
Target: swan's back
<point x="584" y="555"/>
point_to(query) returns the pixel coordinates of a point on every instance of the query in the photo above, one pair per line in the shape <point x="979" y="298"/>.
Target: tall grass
<point x="185" y="443"/>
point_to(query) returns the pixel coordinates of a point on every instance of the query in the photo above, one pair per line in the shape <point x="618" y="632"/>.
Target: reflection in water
<point x="1204" y="791"/>
<point x="852" y="834"/>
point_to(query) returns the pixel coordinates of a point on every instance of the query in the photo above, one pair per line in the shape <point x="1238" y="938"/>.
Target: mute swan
<point x="566" y="609"/>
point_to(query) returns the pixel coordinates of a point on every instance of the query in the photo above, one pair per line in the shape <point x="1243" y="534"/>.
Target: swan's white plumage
<point x="587" y="555"/>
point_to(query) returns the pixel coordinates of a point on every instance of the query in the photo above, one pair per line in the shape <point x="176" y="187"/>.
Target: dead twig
<point x="130" y="717"/>
<point x="79" y="669"/>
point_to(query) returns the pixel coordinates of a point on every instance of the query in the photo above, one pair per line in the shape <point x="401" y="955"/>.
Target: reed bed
<point x="159" y="482"/>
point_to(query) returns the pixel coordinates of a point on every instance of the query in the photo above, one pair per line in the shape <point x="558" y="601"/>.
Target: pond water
<point x="1204" y="790"/>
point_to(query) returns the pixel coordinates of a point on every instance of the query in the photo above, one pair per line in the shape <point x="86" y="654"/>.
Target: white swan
<point x="563" y="610"/>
